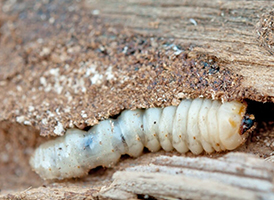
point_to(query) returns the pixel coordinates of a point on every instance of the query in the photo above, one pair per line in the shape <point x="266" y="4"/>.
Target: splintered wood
<point x="234" y="176"/>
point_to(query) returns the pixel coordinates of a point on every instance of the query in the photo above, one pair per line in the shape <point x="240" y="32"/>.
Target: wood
<point x="72" y="68"/>
<point x="223" y="29"/>
<point x="146" y="53"/>
<point x="234" y="176"/>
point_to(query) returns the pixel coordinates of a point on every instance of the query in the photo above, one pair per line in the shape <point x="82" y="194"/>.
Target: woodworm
<point x="197" y="125"/>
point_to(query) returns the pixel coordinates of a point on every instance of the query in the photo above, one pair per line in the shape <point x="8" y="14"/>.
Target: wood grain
<point x="224" y="29"/>
<point x="234" y="176"/>
<point x="146" y="54"/>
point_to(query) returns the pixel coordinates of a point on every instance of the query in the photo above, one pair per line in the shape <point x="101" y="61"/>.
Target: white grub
<point x="197" y="125"/>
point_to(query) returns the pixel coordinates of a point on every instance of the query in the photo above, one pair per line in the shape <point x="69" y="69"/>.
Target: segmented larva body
<point x="197" y="125"/>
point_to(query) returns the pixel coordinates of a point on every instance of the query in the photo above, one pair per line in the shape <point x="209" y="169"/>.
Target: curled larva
<point x="197" y="125"/>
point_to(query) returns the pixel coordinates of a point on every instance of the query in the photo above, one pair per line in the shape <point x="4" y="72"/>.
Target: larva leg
<point x="151" y="121"/>
<point x="202" y="123"/>
<point x="165" y="128"/>
<point x="132" y="128"/>
<point x="193" y="132"/>
<point x="179" y="131"/>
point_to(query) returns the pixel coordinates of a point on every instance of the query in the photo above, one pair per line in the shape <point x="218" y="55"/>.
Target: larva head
<point x="234" y="124"/>
<point x="247" y="123"/>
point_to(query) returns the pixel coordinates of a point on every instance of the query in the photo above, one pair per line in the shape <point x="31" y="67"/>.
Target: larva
<point x="197" y="125"/>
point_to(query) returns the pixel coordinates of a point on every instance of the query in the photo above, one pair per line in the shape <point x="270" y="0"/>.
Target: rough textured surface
<point x="265" y="31"/>
<point x="17" y="142"/>
<point x="73" y="63"/>
<point x="234" y="176"/>
<point x="67" y="64"/>
<point x="99" y="183"/>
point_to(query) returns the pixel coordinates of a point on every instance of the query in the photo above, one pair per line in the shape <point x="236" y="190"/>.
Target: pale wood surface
<point x="234" y="176"/>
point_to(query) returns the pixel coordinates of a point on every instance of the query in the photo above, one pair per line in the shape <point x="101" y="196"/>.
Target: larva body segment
<point x="193" y="131"/>
<point x="131" y="126"/>
<point x="213" y="128"/>
<point x="194" y="125"/>
<point x="165" y="128"/>
<point x="151" y="120"/>
<point x="179" y="131"/>
<point x="203" y="125"/>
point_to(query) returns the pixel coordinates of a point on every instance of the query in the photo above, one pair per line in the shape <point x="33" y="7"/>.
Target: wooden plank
<point x="234" y="176"/>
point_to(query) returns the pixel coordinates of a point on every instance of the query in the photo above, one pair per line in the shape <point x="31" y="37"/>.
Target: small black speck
<point x="154" y="122"/>
<point x="123" y="138"/>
